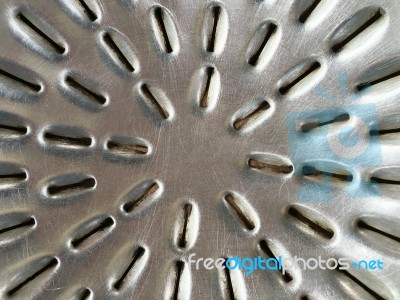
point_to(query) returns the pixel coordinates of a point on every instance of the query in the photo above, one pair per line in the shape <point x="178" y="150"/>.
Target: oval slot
<point x="358" y="30"/>
<point x="270" y="164"/>
<point x="381" y="229"/>
<point x="263" y="44"/>
<point x="186" y="226"/>
<point x="81" y="90"/>
<point x="14" y="226"/>
<point x="231" y="282"/>
<point x="206" y="85"/>
<point x="69" y="185"/>
<point x="215" y="29"/>
<point x="300" y="75"/>
<point x="164" y="30"/>
<point x="308" y="11"/>
<point x="156" y="102"/>
<point x="37" y="33"/>
<point x="91" y="232"/>
<point x="178" y="282"/>
<point x="141" y="196"/>
<point x="12" y="126"/>
<point x="265" y="247"/>
<point x="128" y="275"/>
<point x="317" y="173"/>
<point x="11" y="175"/>
<point x="242" y="211"/>
<point x="66" y="136"/>
<point x="128" y="146"/>
<point x="18" y="81"/>
<point x="32" y="275"/>
<point x="311" y="221"/>
<point x="251" y="115"/>
<point x="117" y="48"/>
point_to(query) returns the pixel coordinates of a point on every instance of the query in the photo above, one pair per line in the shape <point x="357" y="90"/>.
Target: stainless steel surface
<point x="193" y="154"/>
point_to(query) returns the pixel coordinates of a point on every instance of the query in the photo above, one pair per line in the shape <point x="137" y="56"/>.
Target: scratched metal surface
<point x="195" y="155"/>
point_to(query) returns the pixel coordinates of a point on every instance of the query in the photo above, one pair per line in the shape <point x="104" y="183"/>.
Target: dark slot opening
<point x="285" y="89"/>
<point x="254" y="58"/>
<point x="204" y="98"/>
<point x="153" y="101"/>
<point x="247" y="222"/>
<point x="314" y="172"/>
<point x="30" y="222"/>
<point x="267" y="250"/>
<point x="85" y="294"/>
<point x="211" y="41"/>
<point x="76" y="141"/>
<point x="339" y="46"/>
<point x="136" y="256"/>
<point x="365" y="85"/>
<point x="136" y="149"/>
<point x="229" y="285"/>
<point x="363" y="225"/>
<point x="180" y="265"/>
<point x="384" y="181"/>
<point x="129" y="206"/>
<point x="84" y="184"/>
<point x="14" y="129"/>
<point x="53" y="262"/>
<point x="377" y="132"/>
<point x="33" y="86"/>
<point x="159" y="14"/>
<point x="113" y="46"/>
<point x="100" y="99"/>
<point x="308" y="126"/>
<point x="361" y="284"/>
<point x="308" y="11"/>
<point x="318" y="228"/>
<point x="108" y="222"/>
<point x="253" y="163"/>
<point x="240" y="122"/>
<point x="59" y="49"/>
<point x="17" y="177"/>
<point x="187" y="210"/>
<point x="90" y="13"/>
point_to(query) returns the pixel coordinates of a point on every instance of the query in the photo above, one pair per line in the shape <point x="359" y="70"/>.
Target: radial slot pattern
<point x="141" y="142"/>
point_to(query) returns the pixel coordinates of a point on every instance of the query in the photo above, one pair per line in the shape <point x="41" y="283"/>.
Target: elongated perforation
<point x="316" y="226"/>
<point x="67" y="140"/>
<point x="256" y="164"/>
<point x="95" y="97"/>
<point x="32" y="86"/>
<point x="216" y="11"/>
<point x="159" y="15"/>
<point x="365" y="85"/>
<point x="11" y="129"/>
<point x="254" y="58"/>
<point x="85" y="294"/>
<point x="14" y="177"/>
<point x="57" y="47"/>
<point x="187" y="211"/>
<point x="30" y="222"/>
<point x="88" y="11"/>
<point x="375" y="132"/>
<point x="243" y="217"/>
<point x="127" y="148"/>
<point x="129" y="206"/>
<point x="204" y="99"/>
<point x="139" y="252"/>
<point x="106" y="223"/>
<point x="228" y="279"/>
<point x="85" y="184"/>
<point x="242" y="121"/>
<point x="363" y="225"/>
<point x="369" y="290"/>
<point x="308" y="11"/>
<point x="119" y="54"/>
<point x="180" y="265"/>
<point x="153" y="101"/>
<point x="373" y="19"/>
<point x="343" y="175"/>
<point x="286" y="88"/>
<point x="375" y="179"/>
<point x="267" y="250"/>
<point x="307" y="126"/>
<point x="25" y="281"/>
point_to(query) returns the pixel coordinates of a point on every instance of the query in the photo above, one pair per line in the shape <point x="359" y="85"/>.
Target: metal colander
<point x="136" y="133"/>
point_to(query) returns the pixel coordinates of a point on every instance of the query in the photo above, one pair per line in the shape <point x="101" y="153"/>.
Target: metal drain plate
<point x="135" y="133"/>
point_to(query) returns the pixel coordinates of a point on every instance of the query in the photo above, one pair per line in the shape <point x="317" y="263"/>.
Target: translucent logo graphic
<point x="329" y="146"/>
